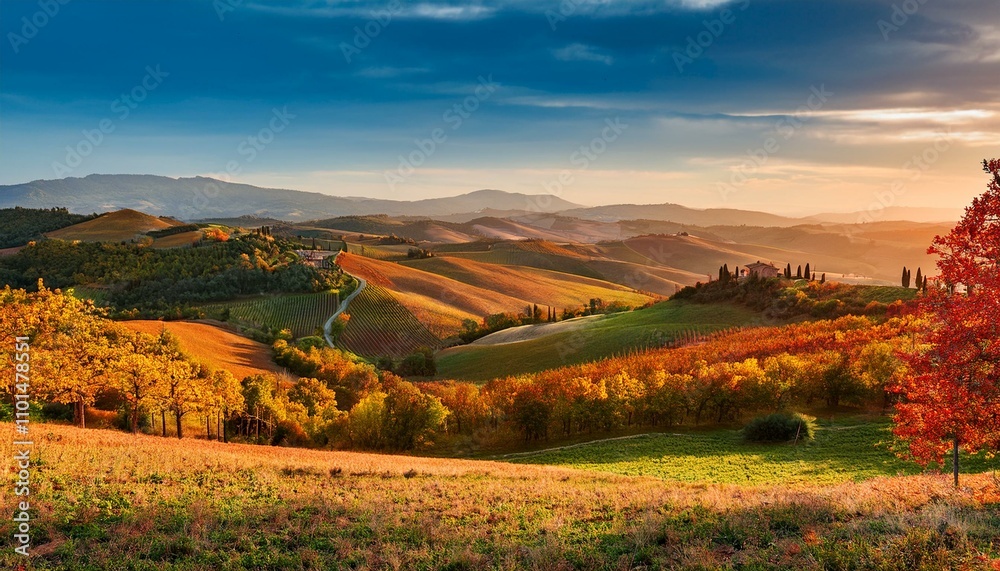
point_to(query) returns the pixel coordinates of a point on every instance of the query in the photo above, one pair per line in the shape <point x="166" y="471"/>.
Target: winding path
<point x="343" y="305"/>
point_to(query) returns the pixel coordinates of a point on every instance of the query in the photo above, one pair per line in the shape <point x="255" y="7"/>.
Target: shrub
<point x="306" y="343"/>
<point x="57" y="411"/>
<point x="779" y="427"/>
<point x="289" y="433"/>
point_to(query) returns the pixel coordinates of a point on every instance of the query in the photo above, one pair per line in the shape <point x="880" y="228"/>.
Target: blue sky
<point x="790" y="106"/>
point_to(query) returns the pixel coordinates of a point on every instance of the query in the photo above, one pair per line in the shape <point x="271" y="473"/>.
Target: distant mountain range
<point x="200" y="198"/>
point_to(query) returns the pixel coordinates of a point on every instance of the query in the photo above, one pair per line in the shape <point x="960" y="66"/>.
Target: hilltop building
<point x="761" y="270"/>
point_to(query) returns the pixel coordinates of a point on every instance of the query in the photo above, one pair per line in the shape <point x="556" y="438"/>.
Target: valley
<point x="594" y="380"/>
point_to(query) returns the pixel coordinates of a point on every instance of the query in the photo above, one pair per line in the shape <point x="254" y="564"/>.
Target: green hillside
<point x="597" y="338"/>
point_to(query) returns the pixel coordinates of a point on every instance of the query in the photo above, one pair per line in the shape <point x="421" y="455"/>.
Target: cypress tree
<point x="920" y="278"/>
<point x="808" y="271"/>
<point x="798" y="274"/>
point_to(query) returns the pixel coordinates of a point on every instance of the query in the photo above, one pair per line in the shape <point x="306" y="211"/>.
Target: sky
<point x="787" y="106"/>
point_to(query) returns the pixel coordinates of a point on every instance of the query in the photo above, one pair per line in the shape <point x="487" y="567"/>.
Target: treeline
<point x="173" y="230"/>
<point x="849" y="361"/>
<point x="343" y="402"/>
<point x="141" y="281"/>
<point x="78" y="358"/>
<point x="19" y="225"/>
<point x="534" y="314"/>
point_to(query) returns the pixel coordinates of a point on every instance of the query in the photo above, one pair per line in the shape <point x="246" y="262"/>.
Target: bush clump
<point x="779" y="427"/>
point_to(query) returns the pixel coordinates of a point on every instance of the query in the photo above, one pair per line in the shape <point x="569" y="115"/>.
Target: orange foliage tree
<point x="953" y="399"/>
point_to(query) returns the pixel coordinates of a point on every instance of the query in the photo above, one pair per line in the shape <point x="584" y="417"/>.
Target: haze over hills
<point x="912" y="214"/>
<point x="681" y="214"/>
<point x="201" y="197"/>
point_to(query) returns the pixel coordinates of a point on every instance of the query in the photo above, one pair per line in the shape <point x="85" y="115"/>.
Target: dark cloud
<point x="561" y="70"/>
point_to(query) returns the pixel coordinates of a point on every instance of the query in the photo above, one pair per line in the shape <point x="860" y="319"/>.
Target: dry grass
<point x="122" y="225"/>
<point x="544" y="287"/>
<point x="438" y="302"/>
<point x="108" y="500"/>
<point x="214" y="346"/>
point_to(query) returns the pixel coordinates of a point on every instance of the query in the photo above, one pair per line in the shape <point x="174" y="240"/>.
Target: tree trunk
<point x="177" y="420"/>
<point x="954" y="460"/>
<point x="163" y="422"/>
<point x="83" y="413"/>
<point x="135" y="418"/>
<point x="208" y="427"/>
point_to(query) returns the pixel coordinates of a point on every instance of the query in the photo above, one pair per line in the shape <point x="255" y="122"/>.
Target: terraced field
<point x="380" y="326"/>
<point x="379" y="252"/>
<point x="438" y="302"/>
<point x="301" y="313"/>
<point x="544" y="287"/>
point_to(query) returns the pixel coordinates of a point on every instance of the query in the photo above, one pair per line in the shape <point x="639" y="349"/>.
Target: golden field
<point x="108" y="500"/>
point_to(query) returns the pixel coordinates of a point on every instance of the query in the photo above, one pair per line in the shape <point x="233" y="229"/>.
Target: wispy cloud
<point x="581" y="52"/>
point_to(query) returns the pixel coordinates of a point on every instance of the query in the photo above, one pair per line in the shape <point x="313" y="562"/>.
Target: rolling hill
<point x="118" y="226"/>
<point x="533" y="348"/>
<point x="532" y="285"/>
<point x="438" y="302"/>
<point x="214" y="346"/>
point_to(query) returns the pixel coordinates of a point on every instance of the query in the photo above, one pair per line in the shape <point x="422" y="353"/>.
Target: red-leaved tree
<point x="952" y="401"/>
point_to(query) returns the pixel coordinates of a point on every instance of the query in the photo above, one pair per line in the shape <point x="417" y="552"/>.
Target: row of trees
<point x="850" y="361"/>
<point x="907" y="279"/>
<point x="341" y="401"/>
<point x="78" y="356"/>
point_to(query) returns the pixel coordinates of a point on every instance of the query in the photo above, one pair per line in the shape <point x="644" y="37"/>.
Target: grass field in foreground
<point x="841" y="452"/>
<point x="610" y="335"/>
<point x="103" y="500"/>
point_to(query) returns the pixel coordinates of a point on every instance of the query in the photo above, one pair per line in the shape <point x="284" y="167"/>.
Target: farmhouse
<point x="761" y="270"/>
